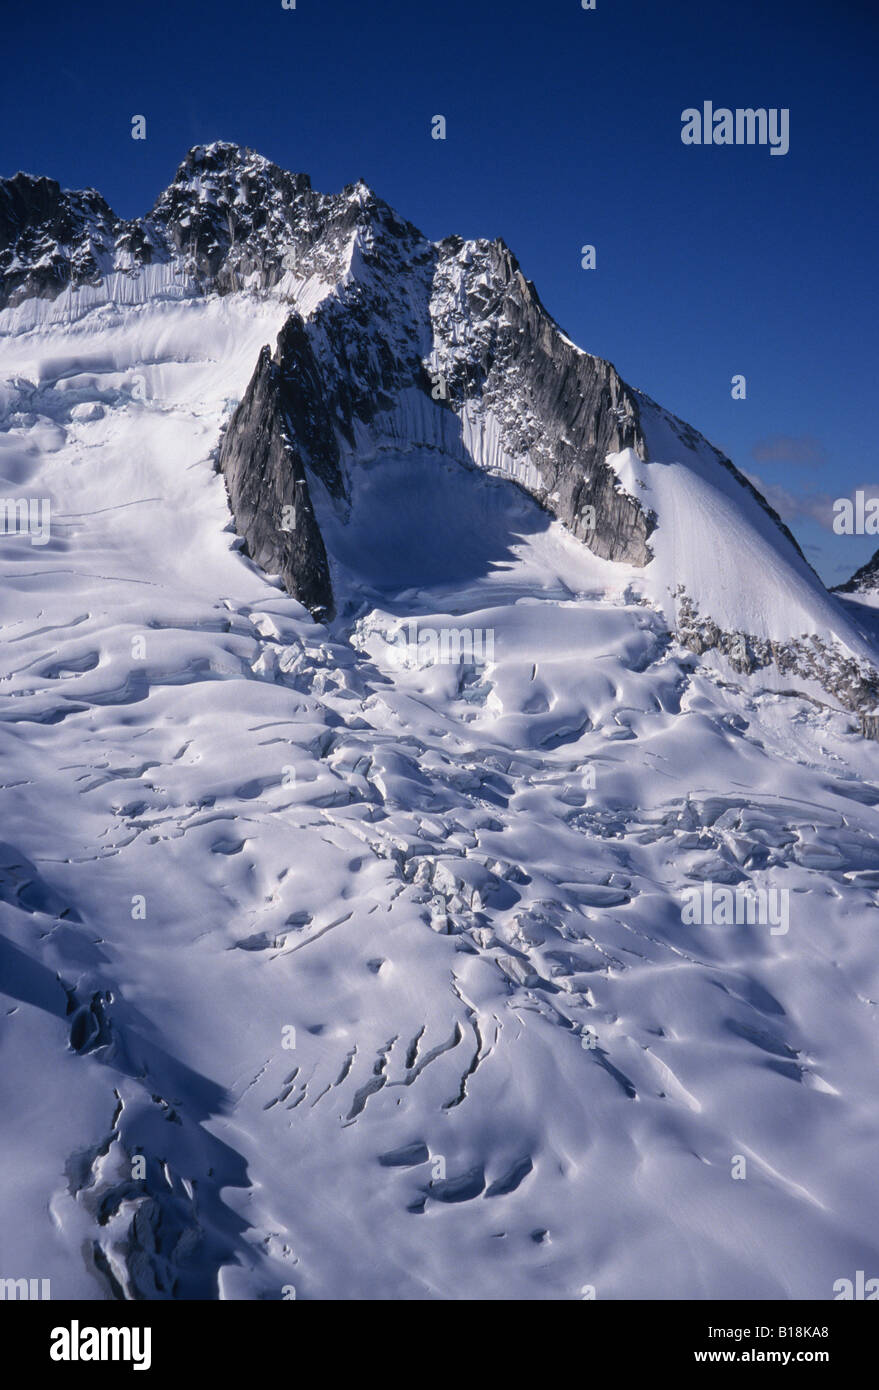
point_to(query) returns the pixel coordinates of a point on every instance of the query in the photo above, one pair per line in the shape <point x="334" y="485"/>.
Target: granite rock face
<point x="246" y="216"/>
<point x="447" y="347"/>
<point x="50" y="238"/>
<point x="263" y="459"/>
<point x="501" y="353"/>
<point x="229" y="220"/>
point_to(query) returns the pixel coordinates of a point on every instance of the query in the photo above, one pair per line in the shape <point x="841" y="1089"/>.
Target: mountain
<point x="391" y="708"/>
<point x="392" y="341"/>
<point x="864" y="580"/>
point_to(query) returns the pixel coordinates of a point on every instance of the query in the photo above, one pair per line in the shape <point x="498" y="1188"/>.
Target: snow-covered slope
<point x="379" y="962"/>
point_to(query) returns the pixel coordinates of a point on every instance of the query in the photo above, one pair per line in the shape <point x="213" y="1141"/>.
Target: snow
<point x="445" y="879"/>
<point x="720" y="545"/>
<point x="149" y="283"/>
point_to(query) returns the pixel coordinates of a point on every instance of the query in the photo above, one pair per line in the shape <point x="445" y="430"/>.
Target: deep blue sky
<point x="563" y="129"/>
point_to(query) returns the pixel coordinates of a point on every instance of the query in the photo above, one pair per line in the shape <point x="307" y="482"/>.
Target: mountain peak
<point x="222" y="155"/>
<point x="232" y="171"/>
<point x="454" y="332"/>
<point x="864" y="580"/>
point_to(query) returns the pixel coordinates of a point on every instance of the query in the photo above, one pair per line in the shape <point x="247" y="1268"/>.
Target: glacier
<point x="331" y="974"/>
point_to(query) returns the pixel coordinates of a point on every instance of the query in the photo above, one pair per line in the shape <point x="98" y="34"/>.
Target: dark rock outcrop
<point x="229" y="220"/>
<point x="50" y="238"/>
<point x="562" y="408"/>
<point x="250" y="216"/>
<point x="851" y="682"/>
<point x="262" y="458"/>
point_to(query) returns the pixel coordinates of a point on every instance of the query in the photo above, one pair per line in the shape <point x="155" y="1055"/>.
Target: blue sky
<point x="563" y="129"/>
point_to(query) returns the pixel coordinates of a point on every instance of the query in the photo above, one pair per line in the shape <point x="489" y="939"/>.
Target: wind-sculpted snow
<point x="378" y="960"/>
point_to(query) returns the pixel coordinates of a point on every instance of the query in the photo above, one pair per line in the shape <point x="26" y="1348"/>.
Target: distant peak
<point x="864" y="580"/>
